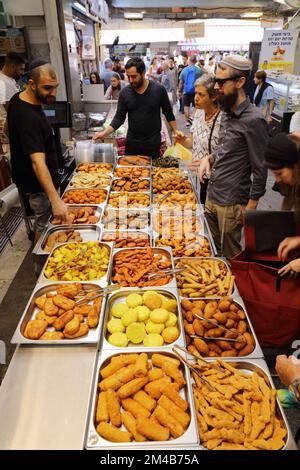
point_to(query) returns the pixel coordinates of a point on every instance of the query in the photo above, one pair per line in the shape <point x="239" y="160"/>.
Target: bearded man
<point x="33" y="155"/>
<point x="142" y="100"/>
<point x="238" y="176"/>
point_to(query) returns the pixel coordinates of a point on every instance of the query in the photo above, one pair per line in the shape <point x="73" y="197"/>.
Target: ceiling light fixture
<point x="133" y="15"/>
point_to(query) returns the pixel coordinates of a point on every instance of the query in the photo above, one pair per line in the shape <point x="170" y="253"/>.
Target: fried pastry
<point x="50" y="308"/>
<point x="72" y="326"/>
<point x="42" y="316"/>
<point x="52" y="336"/>
<point x="40" y="302"/>
<point x="63" y="302"/>
<point x="60" y="323"/>
<point x="35" y="329"/>
<point x="83" y="330"/>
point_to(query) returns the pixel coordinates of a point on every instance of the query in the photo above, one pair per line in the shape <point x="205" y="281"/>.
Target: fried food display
<point x="82" y="215"/>
<point x="62" y="236"/>
<point x="85" y="196"/>
<point x="138" y="160"/>
<point x="81" y="179"/>
<point x="127" y="239"/>
<point x="125" y="220"/>
<point x="132" y="172"/>
<point x="176" y="226"/>
<point x="177" y="202"/>
<point x="165" y="173"/>
<point x="132" y="267"/>
<point x="134" y="406"/>
<point x="78" y="262"/>
<point x="220" y="314"/>
<point x="196" y="245"/>
<point x="240" y="414"/>
<point x="127" y="199"/>
<point x="57" y="316"/>
<point x="148" y="318"/>
<point x="95" y="167"/>
<point x="204" y="278"/>
<point x="130" y="184"/>
<point x="176" y="184"/>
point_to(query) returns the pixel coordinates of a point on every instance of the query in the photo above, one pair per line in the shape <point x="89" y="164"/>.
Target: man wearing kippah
<point x="238" y="176"/>
<point x="33" y="155"/>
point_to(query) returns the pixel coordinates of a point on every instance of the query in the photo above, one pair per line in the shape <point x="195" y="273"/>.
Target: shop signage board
<point x="194" y="30"/>
<point x="88" y="47"/>
<point x="278" y="50"/>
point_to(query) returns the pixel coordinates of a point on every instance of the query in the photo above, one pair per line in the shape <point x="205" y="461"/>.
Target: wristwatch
<point x="294" y="388"/>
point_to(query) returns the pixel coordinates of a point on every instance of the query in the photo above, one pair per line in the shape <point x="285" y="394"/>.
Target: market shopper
<point x="288" y="369"/>
<point x="114" y="90"/>
<point x="95" y="78"/>
<point x="187" y="80"/>
<point x="13" y="69"/>
<point x="174" y="74"/>
<point x="33" y="156"/>
<point x="204" y="135"/>
<point x="242" y="142"/>
<point x="264" y="95"/>
<point x="142" y="100"/>
<point x="107" y="74"/>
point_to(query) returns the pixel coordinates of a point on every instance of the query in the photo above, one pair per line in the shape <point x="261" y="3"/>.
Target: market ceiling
<point x="191" y="9"/>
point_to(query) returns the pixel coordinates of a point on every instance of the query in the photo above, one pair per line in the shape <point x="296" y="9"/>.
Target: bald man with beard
<point x="33" y="155"/>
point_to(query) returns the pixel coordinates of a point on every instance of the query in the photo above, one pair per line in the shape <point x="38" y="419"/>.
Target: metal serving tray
<point x="98" y="213"/>
<point x="176" y="211"/>
<point x="201" y="258"/>
<point x="99" y="186"/>
<point x="128" y="208"/>
<point x="186" y="219"/>
<point x="128" y="168"/>
<point x="120" y="296"/>
<point x="260" y="367"/>
<point x="126" y="233"/>
<point x="101" y="204"/>
<point x="98" y="164"/>
<point x="156" y="238"/>
<point x="102" y="282"/>
<point x="257" y="351"/>
<point x="148" y="190"/>
<point x="95" y="442"/>
<point x="165" y="251"/>
<point x="128" y="160"/>
<point x="31" y="310"/>
<point x="111" y="225"/>
<point x="88" y="232"/>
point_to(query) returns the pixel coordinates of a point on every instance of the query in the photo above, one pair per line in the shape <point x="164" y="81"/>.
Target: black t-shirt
<point x="29" y="132"/>
<point x="144" y="121"/>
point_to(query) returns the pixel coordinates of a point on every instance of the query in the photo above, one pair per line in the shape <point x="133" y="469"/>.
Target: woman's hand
<point x="287" y="245"/>
<point x="204" y="168"/>
<point x="288" y="369"/>
<point x="292" y="268"/>
<point x="179" y="137"/>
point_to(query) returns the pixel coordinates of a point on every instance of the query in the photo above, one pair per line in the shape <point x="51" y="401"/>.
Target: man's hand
<point x="287" y="245"/>
<point x="99" y="136"/>
<point x="204" y="168"/>
<point x="288" y="369"/>
<point x="252" y="205"/>
<point x="60" y="211"/>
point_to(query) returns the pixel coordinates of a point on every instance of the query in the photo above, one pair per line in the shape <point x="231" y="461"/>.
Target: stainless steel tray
<point x="177" y="210"/>
<point x="165" y="251"/>
<point x="101" y="204"/>
<point x="94" y="441"/>
<point x="147" y="190"/>
<point x="99" y="186"/>
<point x="98" y="213"/>
<point x="128" y="157"/>
<point x="186" y="220"/>
<point x="260" y="367"/>
<point x="88" y="232"/>
<point x="102" y="282"/>
<point x="31" y="310"/>
<point x="131" y="168"/>
<point x="120" y="296"/>
<point x="156" y="237"/>
<point x="200" y="258"/>
<point x="143" y="223"/>
<point x="257" y="351"/>
<point x="128" y="208"/>
<point x="126" y="233"/>
<point x="110" y="172"/>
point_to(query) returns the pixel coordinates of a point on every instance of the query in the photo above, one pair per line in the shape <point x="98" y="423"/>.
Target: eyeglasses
<point x="221" y="81"/>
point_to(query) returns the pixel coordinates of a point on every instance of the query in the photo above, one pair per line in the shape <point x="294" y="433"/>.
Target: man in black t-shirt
<point x="142" y="101"/>
<point x="33" y="157"/>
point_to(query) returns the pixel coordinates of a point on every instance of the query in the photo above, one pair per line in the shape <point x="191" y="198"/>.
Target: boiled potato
<point x="135" y="332"/>
<point x="154" y="327"/>
<point x="153" y="340"/>
<point x="159" y="315"/>
<point x="129" y="317"/>
<point x="115" y="326"/>
<point x="143" y="312"/>
<point x="134" y="300"/>
<point x="119" y="309"/>
<point x="118" y="339"/>
<point x="152" y="300"/>
<point x="172" y="320"/>
<point x="170" y="334"/>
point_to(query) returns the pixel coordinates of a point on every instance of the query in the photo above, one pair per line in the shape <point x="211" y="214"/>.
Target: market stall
<point x="135" y="335"/>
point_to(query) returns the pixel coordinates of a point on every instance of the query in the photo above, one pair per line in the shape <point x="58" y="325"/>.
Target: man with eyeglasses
<point x="238" y="177"/>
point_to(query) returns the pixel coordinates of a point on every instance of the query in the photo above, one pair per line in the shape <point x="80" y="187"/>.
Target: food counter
<point x="135" y="335"/>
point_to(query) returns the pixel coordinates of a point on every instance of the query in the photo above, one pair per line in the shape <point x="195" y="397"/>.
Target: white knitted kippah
<point x="236" y="62"/>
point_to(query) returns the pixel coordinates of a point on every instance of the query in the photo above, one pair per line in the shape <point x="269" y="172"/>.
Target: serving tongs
<point x="217" y="325"/>
<point x="199" y="358"/>
<point x="193" y="368"/>
<point x="62" y="267"/>
<point x="100" y="292"/>
<point x="164" y="272"/>
<point x="132" y="163"/>
<point x="164" y="197"/>
<point x="221" y="338"/>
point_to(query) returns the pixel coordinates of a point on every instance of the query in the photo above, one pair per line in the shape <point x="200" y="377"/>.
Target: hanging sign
<point x="278" y="50"/>
<point x="194" y="30"/>
<point x="88" y="47"/>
